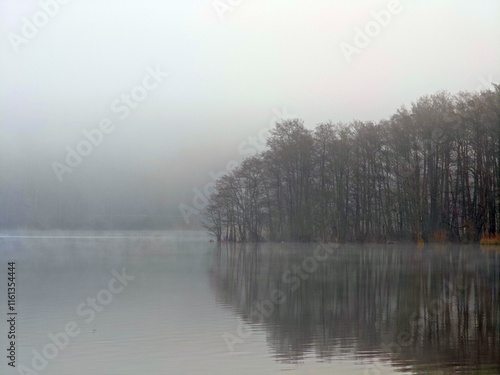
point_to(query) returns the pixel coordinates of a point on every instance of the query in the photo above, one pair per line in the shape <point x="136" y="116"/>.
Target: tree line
<point x="430" y="172"/>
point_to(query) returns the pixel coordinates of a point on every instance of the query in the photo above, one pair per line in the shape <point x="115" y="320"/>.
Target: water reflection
<point x="432" y="310"/>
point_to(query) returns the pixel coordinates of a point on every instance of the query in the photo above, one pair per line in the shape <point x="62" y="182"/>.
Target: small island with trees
<point x="429" y="173"/>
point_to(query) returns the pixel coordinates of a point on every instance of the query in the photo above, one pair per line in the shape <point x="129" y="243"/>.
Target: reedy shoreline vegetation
<point x="430" y="172"/>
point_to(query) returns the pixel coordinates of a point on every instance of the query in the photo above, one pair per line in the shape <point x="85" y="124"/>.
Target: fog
<point x="206" y="76"/>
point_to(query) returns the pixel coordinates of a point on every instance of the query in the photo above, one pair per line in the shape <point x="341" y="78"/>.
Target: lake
<point x="175" y="303"/>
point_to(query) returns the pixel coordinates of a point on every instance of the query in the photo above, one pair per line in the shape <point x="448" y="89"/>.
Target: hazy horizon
<point x="231" y="70"/>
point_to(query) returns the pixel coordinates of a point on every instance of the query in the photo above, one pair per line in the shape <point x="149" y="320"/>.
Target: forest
<point x="430" y="172"/>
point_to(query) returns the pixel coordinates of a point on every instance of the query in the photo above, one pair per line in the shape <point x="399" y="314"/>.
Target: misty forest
<point x="430" y="172"/>
<point x="225" y="187"/>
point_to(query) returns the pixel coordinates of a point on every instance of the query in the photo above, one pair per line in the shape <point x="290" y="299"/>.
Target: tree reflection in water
<point x="424" y="309"/>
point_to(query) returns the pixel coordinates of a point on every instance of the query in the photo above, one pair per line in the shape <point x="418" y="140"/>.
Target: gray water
<point x="196" y="307"/>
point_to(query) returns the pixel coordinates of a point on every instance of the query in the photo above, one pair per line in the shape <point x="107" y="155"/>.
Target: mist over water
<point x="195" y="306"/>
<point x="145" y="144"/>
<point x="419" y="310"/>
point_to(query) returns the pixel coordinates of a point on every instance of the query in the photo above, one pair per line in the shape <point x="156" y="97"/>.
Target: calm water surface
<point x="195" y="307"/>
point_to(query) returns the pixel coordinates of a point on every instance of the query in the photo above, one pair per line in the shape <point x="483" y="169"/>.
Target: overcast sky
<point x="228" y="69"/>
